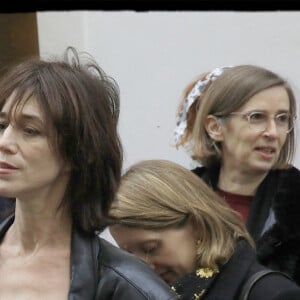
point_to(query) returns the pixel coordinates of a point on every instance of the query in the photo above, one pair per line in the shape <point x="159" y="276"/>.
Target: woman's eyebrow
<point x="23" y="116"/>
<point x="30" y="117"/>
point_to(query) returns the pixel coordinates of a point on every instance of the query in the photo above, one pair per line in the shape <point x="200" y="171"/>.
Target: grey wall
<point x="153" y="55"/>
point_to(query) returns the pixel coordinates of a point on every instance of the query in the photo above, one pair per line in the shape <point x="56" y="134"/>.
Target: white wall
<point x="153" y="55"/>
<point x="57" y="30"/>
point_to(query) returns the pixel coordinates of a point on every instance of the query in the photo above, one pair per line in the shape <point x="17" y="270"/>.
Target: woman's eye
<point x="2" y="126"/>
<point x="257" y="117"/>
<point x="31" y="131"/>
<point x="150" y="249"/>
<point x="283" y="118"/>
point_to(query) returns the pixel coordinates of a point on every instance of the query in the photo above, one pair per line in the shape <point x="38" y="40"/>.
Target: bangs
<point x="18" y="98"/>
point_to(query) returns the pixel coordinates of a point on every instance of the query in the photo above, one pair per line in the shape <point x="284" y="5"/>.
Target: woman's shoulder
<point x="275" y="286"/>
<point x="124" y="276"/>
<point x="199" y="171"/>
<point x="290" y="171"/>
<point x="286" y="203"/>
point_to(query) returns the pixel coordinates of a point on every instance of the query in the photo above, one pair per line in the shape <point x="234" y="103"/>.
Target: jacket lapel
<point x="232" y="276"/>
<point x="83" y="267"/>
<point x="84" y="252"/>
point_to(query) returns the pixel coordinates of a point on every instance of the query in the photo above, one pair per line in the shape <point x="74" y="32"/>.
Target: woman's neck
<point x="238" y="182"/>
<point x="38" y="226"/>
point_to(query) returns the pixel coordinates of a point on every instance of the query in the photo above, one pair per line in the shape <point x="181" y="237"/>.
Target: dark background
<point x="145" y="5"/>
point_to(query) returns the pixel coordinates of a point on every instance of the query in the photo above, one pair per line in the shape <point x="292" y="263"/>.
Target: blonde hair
<point x="159" y="194"/>
<point x="227" y="93"/>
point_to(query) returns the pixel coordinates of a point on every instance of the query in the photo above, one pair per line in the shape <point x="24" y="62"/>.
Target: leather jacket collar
<point x="84" y="252"/>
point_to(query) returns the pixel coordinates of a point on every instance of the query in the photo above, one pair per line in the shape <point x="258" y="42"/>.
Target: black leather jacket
<point x="99" y="270"/>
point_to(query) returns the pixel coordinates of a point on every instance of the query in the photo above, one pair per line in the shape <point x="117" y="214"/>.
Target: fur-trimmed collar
<point x="279" y="247"/>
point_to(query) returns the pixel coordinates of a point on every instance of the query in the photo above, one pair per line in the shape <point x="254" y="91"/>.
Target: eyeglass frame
<point x="248" y="114"/>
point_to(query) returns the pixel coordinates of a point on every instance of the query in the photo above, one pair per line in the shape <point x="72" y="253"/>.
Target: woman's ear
<point x="214" y="128"/>
<point x="194" y="226"/>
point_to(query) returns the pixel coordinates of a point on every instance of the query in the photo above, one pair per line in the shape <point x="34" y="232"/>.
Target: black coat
<point x="7" y="206"/>
<point x="279" y="194"/>
<point x="101" y="271"/>
<point x="228" y="283"/>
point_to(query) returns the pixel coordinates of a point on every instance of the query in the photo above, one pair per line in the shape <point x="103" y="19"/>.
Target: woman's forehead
<point x="25" y="106"/>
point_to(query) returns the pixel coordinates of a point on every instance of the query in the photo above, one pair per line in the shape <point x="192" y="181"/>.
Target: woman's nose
<point x="8" y="140"/>
<point x="271" y="129"/>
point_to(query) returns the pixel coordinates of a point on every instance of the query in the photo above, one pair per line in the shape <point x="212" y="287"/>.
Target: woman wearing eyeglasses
<point x="239" y="124"/>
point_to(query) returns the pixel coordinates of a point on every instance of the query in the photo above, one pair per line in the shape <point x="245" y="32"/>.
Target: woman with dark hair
<point x="60" y="159"/>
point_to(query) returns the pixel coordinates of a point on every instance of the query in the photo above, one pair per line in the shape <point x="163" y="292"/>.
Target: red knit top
<point x="239" y="203"/>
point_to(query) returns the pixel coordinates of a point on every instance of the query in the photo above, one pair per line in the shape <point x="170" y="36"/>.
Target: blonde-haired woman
<point x="238" y="123"/>
<point x="170" y="218"/>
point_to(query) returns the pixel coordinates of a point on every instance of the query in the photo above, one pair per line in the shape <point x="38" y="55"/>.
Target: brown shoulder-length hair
<point x="160" y="194"/>
<point x="227" y="93"/>
<point x="80" y="104"/>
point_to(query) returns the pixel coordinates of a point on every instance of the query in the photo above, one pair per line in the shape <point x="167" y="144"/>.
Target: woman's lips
<point x="6" y="168"/>
<point x="5" y="165"/>
<point x="266" y="152"/>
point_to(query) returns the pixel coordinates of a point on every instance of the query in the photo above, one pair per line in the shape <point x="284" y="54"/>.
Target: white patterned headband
<point x="196" y="91"/>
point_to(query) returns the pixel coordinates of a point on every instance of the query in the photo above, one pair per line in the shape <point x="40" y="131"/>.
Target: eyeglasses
<point x="258" y="120"/>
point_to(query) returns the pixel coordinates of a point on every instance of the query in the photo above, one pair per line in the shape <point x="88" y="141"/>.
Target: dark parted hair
<point x="81" y="105"/>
